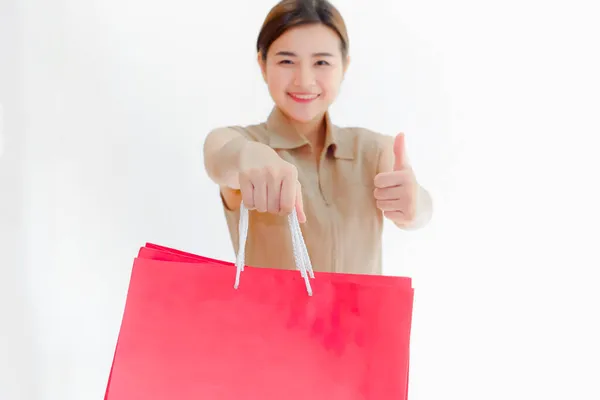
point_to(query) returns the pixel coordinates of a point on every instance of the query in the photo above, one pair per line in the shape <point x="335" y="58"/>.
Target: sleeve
<point x="376" y="150"/>
<point x="252" y="133"/>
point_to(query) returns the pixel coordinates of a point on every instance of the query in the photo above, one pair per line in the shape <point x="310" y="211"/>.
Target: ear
<point x="346" y="65"/>
<point x="263" y="66"/>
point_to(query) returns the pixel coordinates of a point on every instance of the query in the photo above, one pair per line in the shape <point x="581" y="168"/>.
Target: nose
<point x="305" y="76"/>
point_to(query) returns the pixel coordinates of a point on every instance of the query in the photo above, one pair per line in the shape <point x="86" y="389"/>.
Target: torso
<point x="344" y="227"/>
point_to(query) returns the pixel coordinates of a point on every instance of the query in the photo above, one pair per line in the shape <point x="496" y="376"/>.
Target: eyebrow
<point x="291" y="54"/>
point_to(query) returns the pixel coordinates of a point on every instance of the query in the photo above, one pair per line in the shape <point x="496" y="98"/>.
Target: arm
<point x="222" y="149"/>
<point x="251" y="172"/>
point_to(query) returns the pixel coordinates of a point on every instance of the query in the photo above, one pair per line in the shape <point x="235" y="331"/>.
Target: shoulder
<point x="255" y="132"/>
<point x="366" y="142"/>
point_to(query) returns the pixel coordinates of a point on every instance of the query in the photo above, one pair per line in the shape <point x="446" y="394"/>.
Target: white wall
<point x="16" y="339"/>
<point x="115" y="97"/>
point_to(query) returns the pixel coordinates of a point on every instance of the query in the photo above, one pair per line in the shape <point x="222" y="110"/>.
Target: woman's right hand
<point x="268" y="183"/>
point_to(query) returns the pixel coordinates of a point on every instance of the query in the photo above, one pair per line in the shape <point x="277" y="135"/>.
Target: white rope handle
<point x="298" y="245"/>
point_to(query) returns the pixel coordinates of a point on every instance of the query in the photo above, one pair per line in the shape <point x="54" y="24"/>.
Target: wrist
<point x="423" y="209"/>
<point x="422" y="213"/>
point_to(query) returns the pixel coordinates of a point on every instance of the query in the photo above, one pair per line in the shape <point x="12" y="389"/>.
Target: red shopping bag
<point x="188" y="334"/>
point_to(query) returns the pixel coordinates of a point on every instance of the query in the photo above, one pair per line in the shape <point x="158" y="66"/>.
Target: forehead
<point x="308" y="39"/>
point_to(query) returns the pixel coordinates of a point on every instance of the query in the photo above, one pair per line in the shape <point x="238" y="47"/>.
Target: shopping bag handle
<point x="298" y="245"/>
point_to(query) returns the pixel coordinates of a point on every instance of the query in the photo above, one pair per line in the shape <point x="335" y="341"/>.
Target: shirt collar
<point x="282" y="135"/>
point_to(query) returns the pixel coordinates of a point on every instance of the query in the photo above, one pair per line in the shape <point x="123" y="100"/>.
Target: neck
<point x="314" y="130"/>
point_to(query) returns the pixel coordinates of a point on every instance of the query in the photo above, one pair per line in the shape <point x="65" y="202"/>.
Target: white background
<point x="106" y="104"/>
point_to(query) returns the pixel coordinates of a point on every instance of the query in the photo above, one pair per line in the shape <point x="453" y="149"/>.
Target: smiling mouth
<point x="303" y="98"/>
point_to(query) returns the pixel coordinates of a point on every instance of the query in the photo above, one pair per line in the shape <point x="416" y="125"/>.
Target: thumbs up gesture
<point x="396" y="191"/>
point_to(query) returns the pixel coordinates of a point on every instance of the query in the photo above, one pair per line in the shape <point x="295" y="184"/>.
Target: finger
<point x="300" y="204"/>
<point x="390" y="205"/>
<point x="407" y="209"/>
<point x="247" y="190"/>
<point x="388" y="193"/>
<point x="400" y="161"/>
<point x="273" y="193"/>
<point x="390" y="179"/>
<point x="260" y="194"/>
<point x="397" y="216"/>
<point x="287" y="195"/>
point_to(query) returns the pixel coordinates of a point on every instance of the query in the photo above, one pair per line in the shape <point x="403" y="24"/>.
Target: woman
<point x="341" y="181"/>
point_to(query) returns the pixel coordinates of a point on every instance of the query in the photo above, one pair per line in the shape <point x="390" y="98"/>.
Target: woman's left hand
<point x="396" y="192"/>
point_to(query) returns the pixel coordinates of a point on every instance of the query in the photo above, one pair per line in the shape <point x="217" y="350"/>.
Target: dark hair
<point x="288" y="14"/>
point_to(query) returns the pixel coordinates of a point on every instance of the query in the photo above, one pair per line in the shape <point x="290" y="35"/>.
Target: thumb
<point x="300" y="204"/>
<point x="400" y="160"/>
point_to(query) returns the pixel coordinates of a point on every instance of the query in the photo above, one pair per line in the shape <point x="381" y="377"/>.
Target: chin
<point x="302" y="118"/>
<point x="303" y="115"/>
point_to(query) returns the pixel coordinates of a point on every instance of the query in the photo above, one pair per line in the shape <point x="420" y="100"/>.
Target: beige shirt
<point x="344" y="227"/>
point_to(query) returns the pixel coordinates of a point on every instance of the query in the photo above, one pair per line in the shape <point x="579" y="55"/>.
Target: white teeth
<point x="305" y="96"/>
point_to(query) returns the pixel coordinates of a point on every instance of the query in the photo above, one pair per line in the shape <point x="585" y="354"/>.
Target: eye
<point x="322" y="63"/>
<point x="285" y="62"/>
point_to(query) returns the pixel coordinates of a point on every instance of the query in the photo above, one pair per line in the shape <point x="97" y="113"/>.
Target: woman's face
<point x="304" y="70"/>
